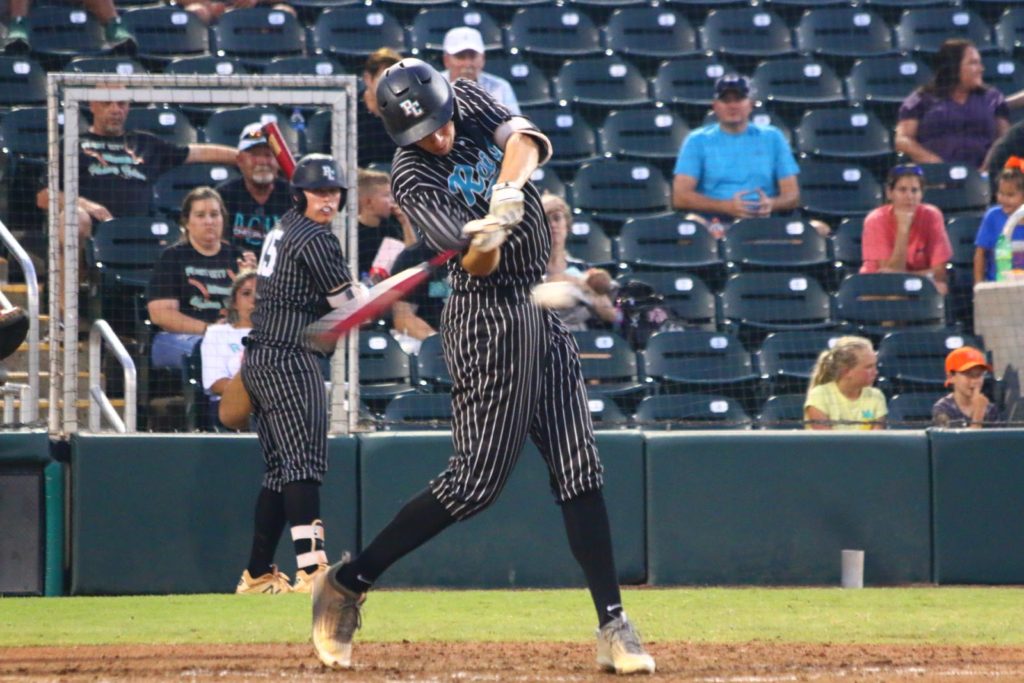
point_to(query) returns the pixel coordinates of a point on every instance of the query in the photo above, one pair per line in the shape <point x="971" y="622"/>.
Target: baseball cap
<point x="733" y="82"/>
<point x="463" y="38"/>
<point x="965" y="358"/>
<point x="251" y="136"/>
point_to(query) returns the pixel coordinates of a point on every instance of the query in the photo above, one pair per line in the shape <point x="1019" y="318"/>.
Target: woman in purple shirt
<point x="955" y="117"/>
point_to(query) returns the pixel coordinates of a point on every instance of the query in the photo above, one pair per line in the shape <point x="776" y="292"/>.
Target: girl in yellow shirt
<point x="841" y="395"/>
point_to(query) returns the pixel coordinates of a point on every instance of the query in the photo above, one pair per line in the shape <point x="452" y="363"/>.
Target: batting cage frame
<point x="66" y="94"/>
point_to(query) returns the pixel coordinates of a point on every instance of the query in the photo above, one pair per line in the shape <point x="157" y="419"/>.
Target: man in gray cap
<point x="733" y="168"/>
<point x="257" y="200"/>
<point x="464" y="58"/>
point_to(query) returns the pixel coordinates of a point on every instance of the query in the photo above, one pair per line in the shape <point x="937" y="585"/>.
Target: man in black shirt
<point x="256" y="201"/>
<point x="117" y="169"/>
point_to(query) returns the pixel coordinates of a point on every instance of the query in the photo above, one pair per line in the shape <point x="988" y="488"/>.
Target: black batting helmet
<point x="414" y="100"/>
<point x="316" y="172"/>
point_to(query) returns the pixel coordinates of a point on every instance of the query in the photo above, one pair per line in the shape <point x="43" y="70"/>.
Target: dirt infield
<point x="740" y="663"/>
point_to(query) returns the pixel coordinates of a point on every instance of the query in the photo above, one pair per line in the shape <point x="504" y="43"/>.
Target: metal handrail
<point x="98" y="401"/>
<point x="30" y="412"/>
<point x="10" y="391"/>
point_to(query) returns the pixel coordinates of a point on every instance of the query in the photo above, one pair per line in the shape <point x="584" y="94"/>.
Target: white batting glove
<point x="507" y="204"/>
<point x="486" y="234"/>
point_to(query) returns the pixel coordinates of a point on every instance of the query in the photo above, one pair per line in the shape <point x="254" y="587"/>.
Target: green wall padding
<point x="24" y="448"/>
<point x="520" y="540"/>
<point x="53" y="577"/>
<point x="174" y="514"/>
<point x="979" y="505"/>
<point x="777" y="508"/>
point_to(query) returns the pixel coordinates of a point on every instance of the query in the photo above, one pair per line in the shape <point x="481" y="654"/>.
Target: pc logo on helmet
<point x="415" y="100"/>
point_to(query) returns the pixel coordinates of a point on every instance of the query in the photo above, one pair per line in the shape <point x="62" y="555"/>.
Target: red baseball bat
<point x="324" y="333"/>
<point x="280" y="148"/>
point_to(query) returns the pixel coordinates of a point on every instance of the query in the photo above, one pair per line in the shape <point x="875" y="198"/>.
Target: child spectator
<point x="841" y="395"/>
<point x="906" y="235"/>
<point x="222" y="343"/>
<point x="1009" y="196"/>
<point x="965" y="406"/>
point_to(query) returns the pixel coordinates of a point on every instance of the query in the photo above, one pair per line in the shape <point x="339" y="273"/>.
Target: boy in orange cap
<point x="965" y="406"/>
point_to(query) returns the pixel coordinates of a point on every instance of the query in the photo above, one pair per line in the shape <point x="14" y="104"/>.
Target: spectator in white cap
<point x="464" y="58"/>
<point x="256" y="201"/>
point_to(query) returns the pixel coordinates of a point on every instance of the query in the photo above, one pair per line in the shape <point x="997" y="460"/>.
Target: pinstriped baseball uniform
<point x="300" y="264"/>
<point x="515" y="368"/>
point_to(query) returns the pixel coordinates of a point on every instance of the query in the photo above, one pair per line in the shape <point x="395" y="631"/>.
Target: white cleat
<point x="336" y="618"/>
<point x="619" y="649"/>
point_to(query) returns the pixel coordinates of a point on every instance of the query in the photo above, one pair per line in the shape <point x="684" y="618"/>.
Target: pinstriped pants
<point x="516" y="373"/>
<point x="290" y="402"/>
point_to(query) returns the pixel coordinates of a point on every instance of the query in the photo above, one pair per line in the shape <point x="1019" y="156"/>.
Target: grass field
<point x="920" y="615"/>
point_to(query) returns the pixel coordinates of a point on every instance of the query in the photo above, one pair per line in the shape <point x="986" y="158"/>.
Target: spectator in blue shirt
<point x="734" y="168"/>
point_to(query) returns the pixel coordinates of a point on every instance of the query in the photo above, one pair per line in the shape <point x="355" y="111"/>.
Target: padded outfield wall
<point x="691" y="508"/>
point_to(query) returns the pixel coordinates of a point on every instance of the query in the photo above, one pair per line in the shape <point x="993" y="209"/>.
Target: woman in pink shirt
<point x="906" y="235"/>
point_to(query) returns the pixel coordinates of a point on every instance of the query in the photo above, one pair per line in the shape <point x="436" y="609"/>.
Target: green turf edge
<point x="946" y="615"/>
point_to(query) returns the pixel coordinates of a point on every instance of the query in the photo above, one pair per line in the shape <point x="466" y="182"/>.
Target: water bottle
<point x="297" y="120"/>
<point x="1004" y="259"/>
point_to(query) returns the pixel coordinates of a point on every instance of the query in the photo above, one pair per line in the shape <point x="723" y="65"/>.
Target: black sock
<point x="269" y="524"/>
<point x="302" y="508"/>
<point x="590" y="539"/>
<point x="417" y="522"/>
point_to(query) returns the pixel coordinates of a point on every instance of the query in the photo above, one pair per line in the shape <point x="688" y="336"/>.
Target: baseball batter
<point x="301" y="274"/>
<point x="461" y="175"/>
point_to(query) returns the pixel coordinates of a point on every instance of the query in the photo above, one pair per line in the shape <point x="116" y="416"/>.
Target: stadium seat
<point x="23" y="132"/>
<point x="573" y="139"/>
<point x="605" y="413"/>
<point x="916" y="360"/>
<point x="891" y="10"/>
<point x="688" y="83"/>
<point x="669" y="242"/>
<point x="431" y="369"/>
<point x="198" y="414"/>
<point x="691" y="411"/>
<point x="588" y="242"/>
<point x="846" y="244"/>
<point x="225" y="125"/>
<point x="428" y="27"/>
<point x="166" y="123"/>
<point x="924" y="30"/>
<point x="653" y="134"/>
<point x="503" y="10"/>
<point x="320" y="65"/>
<point x="418" y="411"/>
<point x="746" y="34"/>
<point x="601" y="83"/>
<point x="255" y="35"/>
<point x="882" y="83"/>
<point x="122" y="66"/>
<point x="609" y="365"/>
<point x="646" y="35"/>
<point x="56" y="34"/>
<point x="352" y="33"/>
<point x="911" y="410"/>
<point x="528" y="81"/>
<point x="22" y="82"/>
<point x="384" y="369"/>
<point x="833" y="190"/>
<point x="955" y="187"/>
<point x="786" y="359"/>
<point x="699" y="361"/>
<point x="782" y="412"/>
<point x="1003" y="72"/>
<point x="848" y="133"/>
<point x="842" y="33"/>
<point x="166" y="33"/>
<point x="777" y="244"/>
<point x="171" y="187"/>
<point x="876" y="304"/>
<point x="120" y="256"/>
<point x="554" y="31"/>
<point x="755" y="304"/>
<point x="614" y="190"/>
<point x="546" y="180"/>
<point x="1009" y="30"/>
<point x="962" y="230"/>
<point x="206" y="64"/>
<point x="688" y="298"/>
<point x="790" y="85"/>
